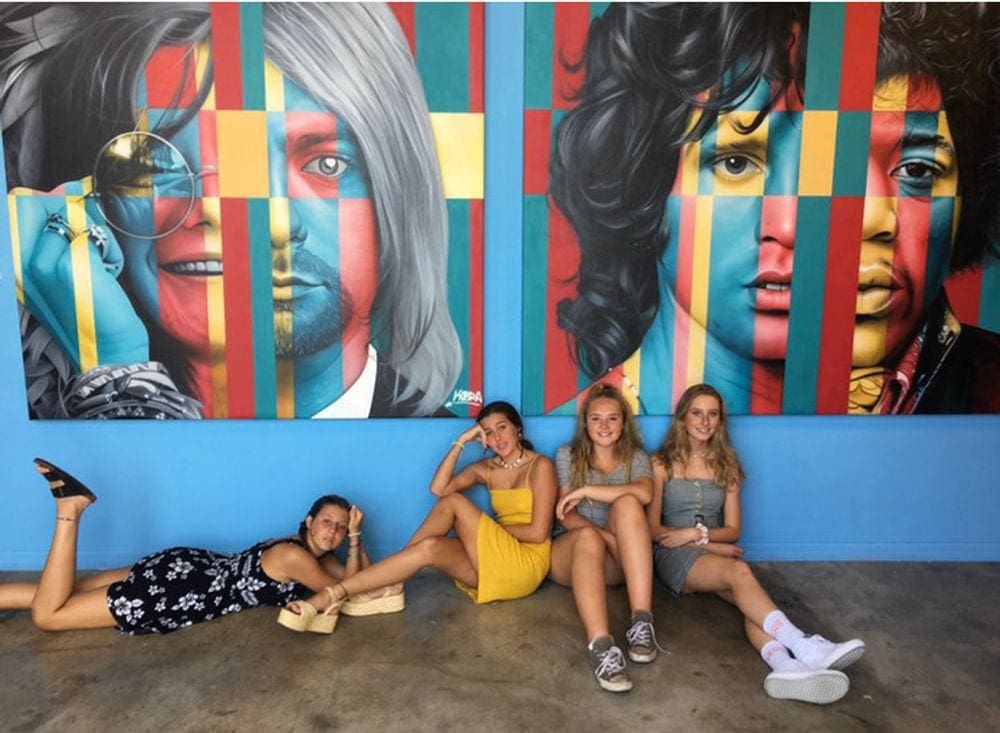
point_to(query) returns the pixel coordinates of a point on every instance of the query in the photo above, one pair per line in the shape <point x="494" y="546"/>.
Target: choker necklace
<point x="702" y="455"/>
<point x="512" y="464"/>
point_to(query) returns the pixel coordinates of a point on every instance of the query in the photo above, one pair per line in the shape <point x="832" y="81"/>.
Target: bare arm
<point x="543" y="490"/>
<point x="641" y="489"/>
<point x="654" y="509"/>
<point x="445" y="480"/>
<point x="287" y="562"/>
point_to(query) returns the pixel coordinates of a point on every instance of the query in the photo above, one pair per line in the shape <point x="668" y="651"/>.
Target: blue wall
<point x="819" y="488"/>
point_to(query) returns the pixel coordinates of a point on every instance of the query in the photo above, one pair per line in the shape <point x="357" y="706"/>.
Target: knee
<point x="740" y="573"/>
<point x="450" y="502"/>
<point x="44" y="620"/>
<point x="429" y="550"/>
<point x="589" y="544"/>
<point x="628" y="507"/>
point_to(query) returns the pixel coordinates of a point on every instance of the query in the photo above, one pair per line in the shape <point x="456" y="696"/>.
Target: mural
<point x="246" y="210"/>
<point x="795" y="203"/>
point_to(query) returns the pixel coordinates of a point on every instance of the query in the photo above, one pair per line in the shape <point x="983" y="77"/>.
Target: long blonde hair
<point x="582" y="447"/>
<point x="722" y="458"/>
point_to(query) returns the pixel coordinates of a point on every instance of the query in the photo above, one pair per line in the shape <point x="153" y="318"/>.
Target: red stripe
<point x="475" y="299"/>
<point x="537" y="139"/>
<point x="860" y="54"/>
<point x="237" y="299"/>
<point x="226" y="61"/>
<point x="564" y="261"/>
<point x="476" y="57"/>
<point x="406" y="16"/>
<point x="766" y="391"/>
<point x="572" y="21"/>
<point x="965" y="293"/>
<point x="170" y="72"/>
<point x="840" y="291"/>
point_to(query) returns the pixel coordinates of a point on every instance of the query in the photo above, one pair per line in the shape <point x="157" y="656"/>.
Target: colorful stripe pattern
<point x="234" y="318"/>
<point x="819" y="202"/>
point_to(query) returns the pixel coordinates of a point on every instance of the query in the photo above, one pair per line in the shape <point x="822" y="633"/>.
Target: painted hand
<point x="68" y="277"/>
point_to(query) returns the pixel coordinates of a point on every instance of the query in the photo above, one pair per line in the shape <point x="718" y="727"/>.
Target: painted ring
<point x="58" y="225"/>
<point x="98" y="237"/>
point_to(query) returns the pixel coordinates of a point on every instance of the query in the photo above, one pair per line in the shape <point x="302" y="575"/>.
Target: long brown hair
<point x="582" y="447"/>
<point x="722" y="458"/>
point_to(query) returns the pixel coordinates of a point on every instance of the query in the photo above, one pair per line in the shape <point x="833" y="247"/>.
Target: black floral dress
<point x="186" y="585"/>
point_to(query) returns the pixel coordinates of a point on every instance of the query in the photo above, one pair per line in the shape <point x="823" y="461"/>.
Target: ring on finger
<point x="58" y="225"/>
<point x="97" y="237"/>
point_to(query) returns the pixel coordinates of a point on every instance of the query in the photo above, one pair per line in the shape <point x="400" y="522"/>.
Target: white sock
<point x="778" y="658"/>
<point x="776" y="624"/>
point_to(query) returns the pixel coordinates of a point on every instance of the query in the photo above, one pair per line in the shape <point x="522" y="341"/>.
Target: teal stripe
<point x="539" y="27"/>
<point x="252" y="54"/>
<point x="804" y="328"/>
<point x="535" y="287"/>
<point x="989" y="303"/>
<point x="597" y="9"/>
<point x="442" y="50"/>
<point x="823" y="59"/>
<point x="458" y="282"/>
<point x="265" y="379"/>
<point x="850" y="165"/>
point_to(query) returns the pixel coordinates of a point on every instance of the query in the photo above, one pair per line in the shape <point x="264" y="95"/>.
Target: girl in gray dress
<point x="694" y="521"/>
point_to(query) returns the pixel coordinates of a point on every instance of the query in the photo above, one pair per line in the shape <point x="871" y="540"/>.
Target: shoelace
<point x="612" y="662"/>
<point x="642" y="634"/>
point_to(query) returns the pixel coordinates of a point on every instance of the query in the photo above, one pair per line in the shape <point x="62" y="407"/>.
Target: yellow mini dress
<point x="508" y="568"/>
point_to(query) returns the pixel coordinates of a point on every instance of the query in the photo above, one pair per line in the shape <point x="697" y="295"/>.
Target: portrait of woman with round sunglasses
<point x="185" y="229"/>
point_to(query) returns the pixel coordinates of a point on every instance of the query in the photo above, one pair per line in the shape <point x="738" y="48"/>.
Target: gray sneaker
<point x="608" y="664"/>
<point x="641" y="638"/>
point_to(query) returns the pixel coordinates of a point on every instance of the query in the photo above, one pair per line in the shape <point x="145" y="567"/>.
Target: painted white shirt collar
<point x="357" y="400"/>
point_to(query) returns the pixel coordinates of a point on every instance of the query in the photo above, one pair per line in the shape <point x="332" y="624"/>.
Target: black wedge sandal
<point x="70" y="486"/>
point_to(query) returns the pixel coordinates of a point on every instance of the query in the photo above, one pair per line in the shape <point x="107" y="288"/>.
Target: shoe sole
<point x="623" y="686"/>
<point x="854" y="652"/>
<point x="820" y="687"/>
<point x="642" y="658"/>
<point x="387" y="604"/>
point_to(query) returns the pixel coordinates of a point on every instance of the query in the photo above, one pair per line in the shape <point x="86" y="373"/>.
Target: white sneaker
<point x="815" y="652"/>
<point x="819" y="686"/>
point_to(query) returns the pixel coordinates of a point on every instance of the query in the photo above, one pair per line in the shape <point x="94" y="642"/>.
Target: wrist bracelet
<point x="354" y="534"/>
<point x="460" y="444"/>
<point x="704" y="535"/>
<point x="66" y="519"/>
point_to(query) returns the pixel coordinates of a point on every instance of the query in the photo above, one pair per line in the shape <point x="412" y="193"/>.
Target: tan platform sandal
<point x="388" y="599"/>
<point x="309" y="619"/>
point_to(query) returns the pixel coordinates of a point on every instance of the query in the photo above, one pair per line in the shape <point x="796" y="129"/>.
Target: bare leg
<point x="444" y="553"/>
<point x="18" y="596"/>
<point x="627" y="522"/>
<point x="55" y="605"/>
<point x="452" y="512"/>
<point x="578" y="560"/>
<point x="733" y="581"/>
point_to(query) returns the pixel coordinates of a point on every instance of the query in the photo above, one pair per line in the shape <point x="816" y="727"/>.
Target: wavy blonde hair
<point x="582" y="448"/>
<point x="722" y="458"/>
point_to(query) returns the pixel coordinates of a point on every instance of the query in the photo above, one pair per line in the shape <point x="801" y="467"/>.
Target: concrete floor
<point x="932" y="664"/>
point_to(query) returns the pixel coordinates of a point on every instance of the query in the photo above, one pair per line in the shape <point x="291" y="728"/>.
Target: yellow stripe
<point x="286" y="388"/>
<point x="699" y="287"/>
<point x="459" y="139"/>
<point x="203" y="54"/>
<point x="15" y="244"/>
<point x="690" y="166"/>
<point x="216" y="307"/>
<point x="631" y="367"/>
<point x="819" y="131"/>
<point x="83" y="289"/>
<point x="241" y="141"/>
<point x="274" y="88"/>
<point x="285" y="372"/>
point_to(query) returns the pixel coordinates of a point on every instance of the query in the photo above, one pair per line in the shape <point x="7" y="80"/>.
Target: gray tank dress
<point x="686" y="501"/>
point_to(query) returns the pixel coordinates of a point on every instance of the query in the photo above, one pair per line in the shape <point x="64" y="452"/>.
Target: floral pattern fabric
<point x="182" y="586"/>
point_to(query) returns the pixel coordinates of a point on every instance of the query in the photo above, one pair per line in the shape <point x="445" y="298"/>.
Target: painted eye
<point x="736" y="166"/>
<point x="919" y="170"/>
<point x="329" y="166"/>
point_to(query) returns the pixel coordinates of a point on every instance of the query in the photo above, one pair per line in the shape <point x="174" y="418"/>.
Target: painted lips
<point x="772" y="291"/>
<point x="879" y="290"/>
